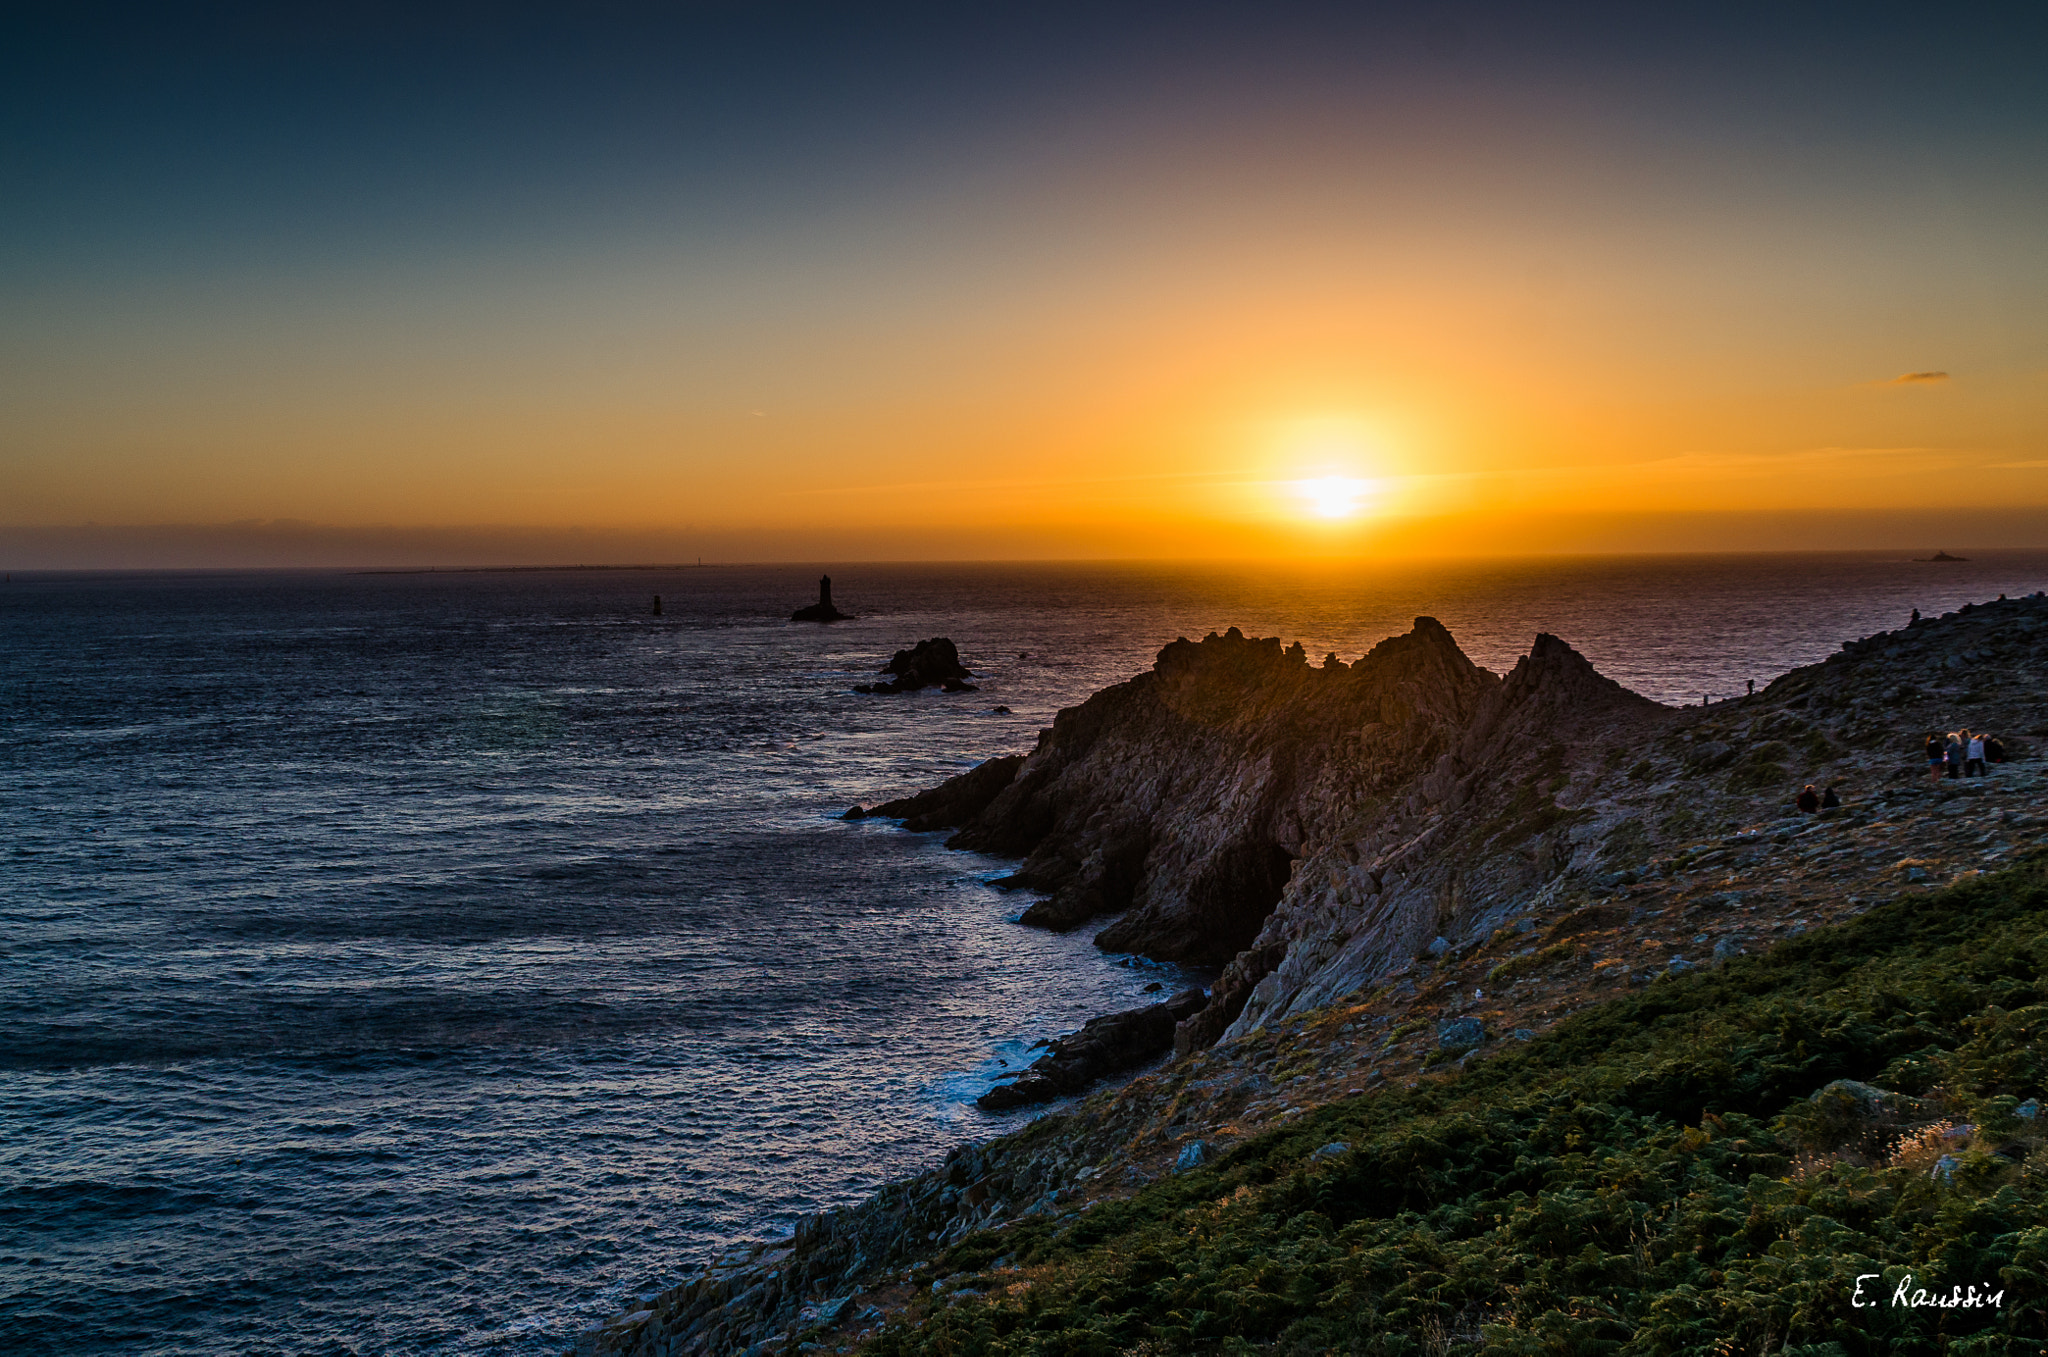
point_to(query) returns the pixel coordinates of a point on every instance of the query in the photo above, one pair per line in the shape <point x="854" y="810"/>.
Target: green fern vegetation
<point x="1652" y="1176"/>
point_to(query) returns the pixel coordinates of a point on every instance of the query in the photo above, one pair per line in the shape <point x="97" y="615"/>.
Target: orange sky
<point x="1482" y="304"/>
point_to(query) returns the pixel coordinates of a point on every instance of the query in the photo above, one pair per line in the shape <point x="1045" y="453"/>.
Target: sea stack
<point x="929" y="663"/>
<point x="822" y="610"/>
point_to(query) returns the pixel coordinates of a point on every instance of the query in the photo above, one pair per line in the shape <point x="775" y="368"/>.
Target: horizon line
<point x="816" y="562"/>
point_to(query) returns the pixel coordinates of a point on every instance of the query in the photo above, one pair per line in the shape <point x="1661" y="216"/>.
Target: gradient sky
<point x="1094" y="280"/>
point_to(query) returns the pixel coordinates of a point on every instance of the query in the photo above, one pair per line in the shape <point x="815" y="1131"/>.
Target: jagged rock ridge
<point x="1307" y="827"/>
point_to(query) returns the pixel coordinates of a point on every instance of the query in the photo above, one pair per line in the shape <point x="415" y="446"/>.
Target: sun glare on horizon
<point x="1334" y="497"/>
<point x="1316" y="463"/>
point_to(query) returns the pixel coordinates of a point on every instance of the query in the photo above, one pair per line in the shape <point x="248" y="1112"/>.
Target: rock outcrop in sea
<point x="1404" y="865"/>
<point x="822" y="610"/>
<point x="1106" y="1045"/>
<point x="928" y="664"/>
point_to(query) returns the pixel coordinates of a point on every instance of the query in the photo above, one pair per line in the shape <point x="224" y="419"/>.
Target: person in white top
<point x="1973" y="760"/>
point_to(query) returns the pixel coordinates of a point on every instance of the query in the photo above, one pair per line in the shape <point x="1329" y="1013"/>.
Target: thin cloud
<point x="1028" y="483"/>
<point x="1916" y="379"/>
<point x="2017" y="466"/>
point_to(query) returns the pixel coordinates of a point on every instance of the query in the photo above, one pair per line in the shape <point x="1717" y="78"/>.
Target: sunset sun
<point x="1333" y="497"/>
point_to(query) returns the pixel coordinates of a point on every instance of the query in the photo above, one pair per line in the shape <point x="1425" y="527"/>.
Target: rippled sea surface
<point x="419" y="963"/>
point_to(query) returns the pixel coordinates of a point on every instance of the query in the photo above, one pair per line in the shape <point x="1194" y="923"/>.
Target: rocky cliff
<point x="1308" y="827"/>
<point x="1182" y="798"/>
<point x="1410" y="865"/>
<point x="1475" y="838"/>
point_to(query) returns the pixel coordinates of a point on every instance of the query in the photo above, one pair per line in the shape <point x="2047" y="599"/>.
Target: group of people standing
<point x="1962" y="753"/>
<point x="1958" y="754"/>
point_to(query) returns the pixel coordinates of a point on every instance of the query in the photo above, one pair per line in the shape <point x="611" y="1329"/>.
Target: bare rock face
<point x="1316" y="830"/>
<point x="1308" y="828"/>
<point x="1105" y="1045"/>
<point x="1478" y="836"/>
<point x="1183" y="798"/>
<point x="953" y="802"/>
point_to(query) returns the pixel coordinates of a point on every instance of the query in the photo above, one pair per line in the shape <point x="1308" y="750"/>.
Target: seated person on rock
<point x="1808" y="800"/>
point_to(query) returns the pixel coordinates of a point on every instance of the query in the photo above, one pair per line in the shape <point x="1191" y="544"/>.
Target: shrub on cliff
<point x="1651" y="1177"/>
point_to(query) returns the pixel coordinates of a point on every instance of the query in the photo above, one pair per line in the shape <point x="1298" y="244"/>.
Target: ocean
<point x="427" y="962"/>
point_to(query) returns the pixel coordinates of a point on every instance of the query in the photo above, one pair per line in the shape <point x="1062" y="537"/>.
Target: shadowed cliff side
<point x="1311" y="828"/>
<point x="1183" y="797"/>
<point x="1479" y="836"/>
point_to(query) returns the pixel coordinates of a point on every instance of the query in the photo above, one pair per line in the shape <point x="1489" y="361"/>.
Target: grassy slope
<point x="1649" y="1177"/>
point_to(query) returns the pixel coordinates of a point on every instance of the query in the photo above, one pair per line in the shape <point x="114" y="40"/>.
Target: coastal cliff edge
<point x="1410" y="870"/>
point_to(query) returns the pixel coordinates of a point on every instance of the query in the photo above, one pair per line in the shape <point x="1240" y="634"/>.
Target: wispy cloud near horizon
<point x="1916" y="379"/>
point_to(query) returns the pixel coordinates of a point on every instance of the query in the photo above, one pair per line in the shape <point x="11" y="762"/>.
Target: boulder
<point x="1458" y="1034"/>
<point x="1853" y="1100"/>
<point x="1849" y="1112"/>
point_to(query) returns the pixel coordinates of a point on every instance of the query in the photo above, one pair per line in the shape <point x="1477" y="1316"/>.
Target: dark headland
<point x="1544" y="1022"/>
